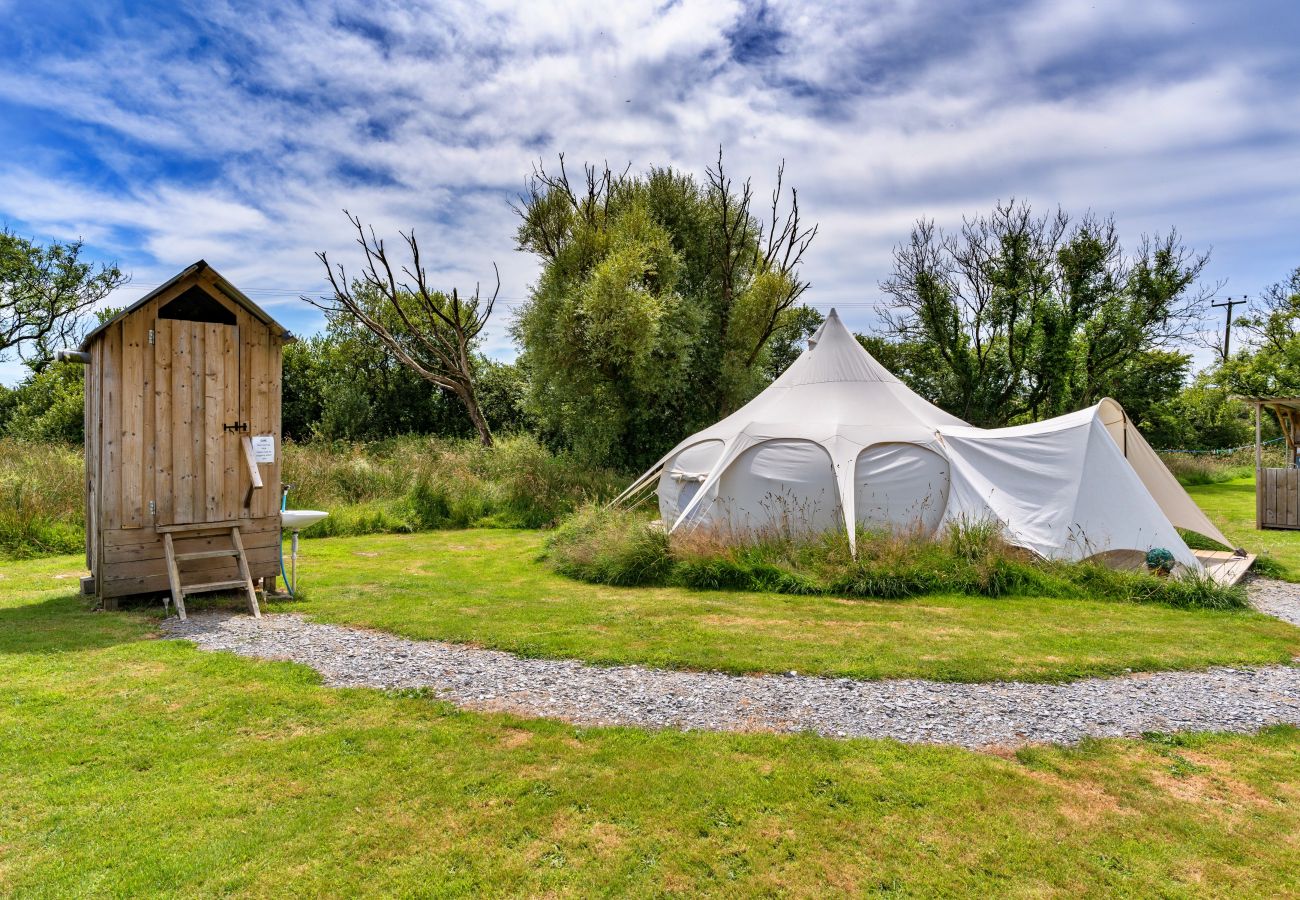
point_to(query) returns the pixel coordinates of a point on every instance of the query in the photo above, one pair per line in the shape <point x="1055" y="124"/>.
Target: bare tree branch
<point x="430" y="332"/>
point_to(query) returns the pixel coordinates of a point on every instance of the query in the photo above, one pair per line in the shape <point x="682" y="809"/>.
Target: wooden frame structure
<point x="182" y="440"/>
<point x="1277" y="489"/>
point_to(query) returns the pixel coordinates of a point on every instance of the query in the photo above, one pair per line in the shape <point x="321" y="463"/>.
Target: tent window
<point x="687" y="494"/>
<point x="197" y="305"/>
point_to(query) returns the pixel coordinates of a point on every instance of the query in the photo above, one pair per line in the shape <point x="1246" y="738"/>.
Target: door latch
<point x="236" y="427"/>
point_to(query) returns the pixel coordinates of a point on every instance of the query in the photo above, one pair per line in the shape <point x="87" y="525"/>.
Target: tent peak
<point x="834" y="355"/>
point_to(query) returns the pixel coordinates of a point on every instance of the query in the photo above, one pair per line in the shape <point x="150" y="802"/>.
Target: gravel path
<point x="1276" y="598"/>
<point x="1003" y="714"/>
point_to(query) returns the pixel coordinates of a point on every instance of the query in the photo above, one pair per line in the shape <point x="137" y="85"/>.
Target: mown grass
<point x="139" y="767"/>
<point x="488" y="588"/>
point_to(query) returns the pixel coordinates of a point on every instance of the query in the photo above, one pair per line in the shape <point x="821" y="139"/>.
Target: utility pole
<point x="1227" y="326"/>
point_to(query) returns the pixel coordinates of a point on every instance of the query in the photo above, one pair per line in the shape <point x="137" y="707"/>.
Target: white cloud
<point x="240" y="151"/>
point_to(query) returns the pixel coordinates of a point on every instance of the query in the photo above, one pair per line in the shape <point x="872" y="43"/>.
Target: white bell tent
<point x="837" y="441"/>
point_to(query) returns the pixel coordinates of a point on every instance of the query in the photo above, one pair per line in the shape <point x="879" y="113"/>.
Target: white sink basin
<point x="298" y="519"/>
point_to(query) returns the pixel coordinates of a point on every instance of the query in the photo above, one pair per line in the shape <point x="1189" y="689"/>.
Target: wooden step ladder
<point x="181" y="591"/>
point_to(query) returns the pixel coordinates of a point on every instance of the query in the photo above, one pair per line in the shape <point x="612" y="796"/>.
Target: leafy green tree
<point x="46" y="406"/>
<point x="659" y="307"/>
<point x="1269" y="360"/>
<point x="46" y="294"/>
<point x="1145" y="382"/>
<point x="1019" y="317"/>
<point x="1201" y="416"/>
<point x="790" y="339"/>
<point x="503" y="391"/>
<point x="343" y="384"/>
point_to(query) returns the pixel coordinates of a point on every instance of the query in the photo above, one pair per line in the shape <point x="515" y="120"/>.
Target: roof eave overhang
<point x="192" y="272"/>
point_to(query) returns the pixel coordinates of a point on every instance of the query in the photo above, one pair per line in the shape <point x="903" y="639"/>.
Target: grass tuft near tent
<point x="612" y="546"/>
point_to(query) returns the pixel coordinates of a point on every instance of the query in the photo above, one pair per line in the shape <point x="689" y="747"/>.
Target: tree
<point x="47" y="406"/>
<point x="758" y="277"/>
<point x="46" y="294"/>
<point x="658" y="306"/>
<point x="1018" y="316"/>
<point x="1268" y="361"/>
<point x="430" y="332"/>
<point x="790" y="339"/>
<point x="1201" y="416"/>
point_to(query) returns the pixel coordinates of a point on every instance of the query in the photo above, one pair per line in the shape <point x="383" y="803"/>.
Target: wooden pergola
<point x="1277" y="490"/>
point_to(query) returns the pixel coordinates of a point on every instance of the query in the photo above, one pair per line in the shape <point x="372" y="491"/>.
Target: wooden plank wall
<point x="92" y="390"/>
<point x="142" y="418"/>
<point x="260" y="362"/>
<point x="1278" y="496"/>
<point x="138" y="566"/>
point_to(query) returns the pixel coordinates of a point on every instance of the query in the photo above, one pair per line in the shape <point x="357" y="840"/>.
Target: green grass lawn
<point x="487" y="587"/>
<point x="1231" y="505"/>
<point x="134" y="766"/>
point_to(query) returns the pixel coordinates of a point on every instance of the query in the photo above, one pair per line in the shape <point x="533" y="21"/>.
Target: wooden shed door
<point x="196" y="374"/>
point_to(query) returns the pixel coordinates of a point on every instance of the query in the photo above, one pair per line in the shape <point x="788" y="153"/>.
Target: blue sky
<point x="166" y="132"/>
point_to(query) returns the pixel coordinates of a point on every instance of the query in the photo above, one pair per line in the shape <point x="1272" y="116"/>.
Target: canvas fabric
<point x="838" y="441"/>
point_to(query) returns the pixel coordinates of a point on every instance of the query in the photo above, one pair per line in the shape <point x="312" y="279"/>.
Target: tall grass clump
<point x="620" y="547"/>
<point x="1208" y="468"/>
<point x="610" y="546"/>
<point x="418" y="483"/>
<point x="398" y="485"/>
<point x="42" y="501"/>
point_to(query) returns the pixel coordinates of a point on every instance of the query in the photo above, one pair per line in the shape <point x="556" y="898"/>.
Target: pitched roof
<point x="192" y="272"/>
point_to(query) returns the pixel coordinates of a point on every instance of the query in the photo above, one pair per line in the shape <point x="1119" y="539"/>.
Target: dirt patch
<point x="1208" y="787"/>
<point x="515" y="737"/>
<point x="752" y="622"/>
<point x="1084" y="803"/>
<point x="607" y="838"/>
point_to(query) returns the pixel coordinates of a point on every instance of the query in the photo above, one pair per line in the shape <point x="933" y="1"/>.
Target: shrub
<point x="621" y="547"/>
<point x="610" y="546"/>
<point x="417" y="483"/>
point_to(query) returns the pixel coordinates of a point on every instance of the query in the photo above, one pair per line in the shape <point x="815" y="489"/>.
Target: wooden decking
<point x="1224" y="567"/>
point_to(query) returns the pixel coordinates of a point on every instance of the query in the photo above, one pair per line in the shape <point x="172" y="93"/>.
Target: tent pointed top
<point x="834" y="354"/>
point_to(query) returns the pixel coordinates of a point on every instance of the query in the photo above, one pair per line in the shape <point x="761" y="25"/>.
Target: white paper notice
<point x="264" y="448"/>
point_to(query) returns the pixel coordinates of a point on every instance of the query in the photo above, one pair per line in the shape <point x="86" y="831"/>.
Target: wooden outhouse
<point x="1277" y="488"/>
<point x="183" y="443"/>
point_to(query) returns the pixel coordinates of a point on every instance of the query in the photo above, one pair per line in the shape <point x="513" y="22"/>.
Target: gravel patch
<point x="1280" y="599"/>
<point x="1001" y="714"/>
